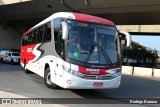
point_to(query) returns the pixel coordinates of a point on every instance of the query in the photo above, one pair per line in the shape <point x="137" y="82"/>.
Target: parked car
<point x="9" y="57"/>
<point x="3" y="55"/>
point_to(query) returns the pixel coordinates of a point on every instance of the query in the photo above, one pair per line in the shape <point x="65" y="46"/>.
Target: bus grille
<point x="98" y="77"/>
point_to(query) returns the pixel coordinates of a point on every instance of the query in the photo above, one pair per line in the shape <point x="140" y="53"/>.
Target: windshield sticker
<point x="76" y="54"/>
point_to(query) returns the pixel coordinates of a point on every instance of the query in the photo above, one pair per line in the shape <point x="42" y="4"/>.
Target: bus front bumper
<point x="73" y="82"/>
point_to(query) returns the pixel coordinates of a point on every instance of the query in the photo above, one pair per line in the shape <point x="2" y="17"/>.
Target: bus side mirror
<point x="127" y="37"/>
<point x="64" y="30"/>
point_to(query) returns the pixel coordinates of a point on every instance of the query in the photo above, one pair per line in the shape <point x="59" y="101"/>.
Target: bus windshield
<point x="92" y="43"/>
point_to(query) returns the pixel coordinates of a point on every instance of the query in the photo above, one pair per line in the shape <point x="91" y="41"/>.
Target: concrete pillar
<point x="10" y="38"/>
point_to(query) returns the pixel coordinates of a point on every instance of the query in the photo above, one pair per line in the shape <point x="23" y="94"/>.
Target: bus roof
<point x="76" y="16"/>
<point x="90" y="18"/>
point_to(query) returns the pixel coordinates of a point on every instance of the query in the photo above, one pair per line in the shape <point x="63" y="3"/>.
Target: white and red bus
<point x="92" y="61"/>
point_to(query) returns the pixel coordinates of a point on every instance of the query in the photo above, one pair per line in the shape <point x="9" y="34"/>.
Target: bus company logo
<point x="98" y="77"/>
<point x="93" y="71"/>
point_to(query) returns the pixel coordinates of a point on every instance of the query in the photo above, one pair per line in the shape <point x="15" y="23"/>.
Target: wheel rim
<point x="48" y="78"/>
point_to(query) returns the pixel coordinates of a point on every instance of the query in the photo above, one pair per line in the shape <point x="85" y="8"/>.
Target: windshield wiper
<point x="106" y="57"/>
<point x="87" y="59"/>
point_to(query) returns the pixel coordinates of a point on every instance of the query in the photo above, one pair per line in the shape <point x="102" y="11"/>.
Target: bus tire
<point x="47" y="80"/>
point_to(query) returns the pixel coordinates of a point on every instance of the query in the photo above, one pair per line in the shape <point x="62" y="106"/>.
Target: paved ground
<point x="14" y="82"/>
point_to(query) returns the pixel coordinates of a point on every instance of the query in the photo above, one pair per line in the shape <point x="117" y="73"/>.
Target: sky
<point x="152" y="42"/>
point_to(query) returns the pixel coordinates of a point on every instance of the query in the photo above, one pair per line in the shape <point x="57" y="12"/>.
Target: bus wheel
<point x="47" y="79"/>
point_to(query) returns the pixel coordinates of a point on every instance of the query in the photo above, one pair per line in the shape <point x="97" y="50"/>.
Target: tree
<point x="140" y="54"/>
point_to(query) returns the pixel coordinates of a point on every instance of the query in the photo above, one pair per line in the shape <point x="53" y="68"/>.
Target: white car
<point x="10" y="57"/>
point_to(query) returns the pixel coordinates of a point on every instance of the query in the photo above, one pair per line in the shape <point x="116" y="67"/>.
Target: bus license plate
<point x="98" y="84"/>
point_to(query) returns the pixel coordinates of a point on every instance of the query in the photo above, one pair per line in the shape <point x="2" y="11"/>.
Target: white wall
<point x="141" y="71"/>
<point x="10" y="38"/>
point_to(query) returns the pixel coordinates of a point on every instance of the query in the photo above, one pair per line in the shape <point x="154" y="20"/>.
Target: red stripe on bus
<point x="91" y="71"/>
<point x="28" y="56"/>
<point x="90" y="18"/>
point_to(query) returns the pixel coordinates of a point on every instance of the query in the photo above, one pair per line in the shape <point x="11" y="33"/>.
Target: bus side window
<point x="44" y="34"/>
<point x="40" y="34"/>
<point x="47" y="33"/>
<point x="29" y="39"/>
<point x="59" y="43"/>
<point x="25" y="40"/>
<point x="35" y="35"/>
<point x="56" y="40"/>
<point x="48" y="36"/>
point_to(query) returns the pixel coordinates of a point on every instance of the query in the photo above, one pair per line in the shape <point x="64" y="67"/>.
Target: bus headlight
<point x="115" y="72"/>
<point x="72" y="72"/>
<point x="118" y="70"/>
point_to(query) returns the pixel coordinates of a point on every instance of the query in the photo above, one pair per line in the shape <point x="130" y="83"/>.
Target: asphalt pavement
<point x="15" y="82"/>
